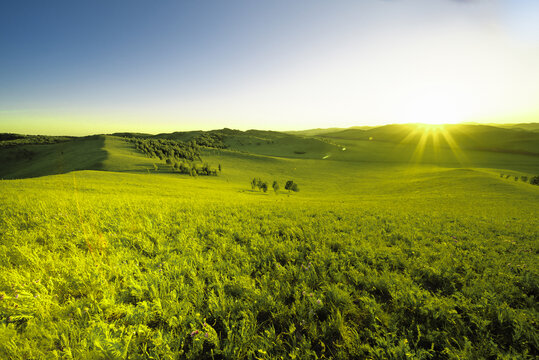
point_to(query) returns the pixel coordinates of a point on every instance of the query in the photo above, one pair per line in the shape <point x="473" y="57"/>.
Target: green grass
<point x="390" y="258"/>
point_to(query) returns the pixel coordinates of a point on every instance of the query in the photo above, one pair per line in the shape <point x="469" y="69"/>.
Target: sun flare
<point x="433" y="137"/>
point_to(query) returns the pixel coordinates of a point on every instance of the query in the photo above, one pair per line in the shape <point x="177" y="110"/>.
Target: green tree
<point x="275" y="186"/>
<point x="294" y="187"/>
<point x="534" y="180"/>
<point x="288" y="185"/>
<point x="264" y="186"/>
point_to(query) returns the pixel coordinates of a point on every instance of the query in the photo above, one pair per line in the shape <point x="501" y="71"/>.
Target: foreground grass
<point x="115" y="266"/>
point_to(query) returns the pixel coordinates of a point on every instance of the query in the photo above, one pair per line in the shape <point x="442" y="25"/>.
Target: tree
<point x="219" y="167"/>
<point x="294" y="187"/>
<point x="259" y="183"/>
<point x="534" y="180"/>
<point x="275" y="186"/>
<point x="288" y="185"/>
<point x="264" y="186"/>
<point x="524" y="178"/>
<point x="169" y="162"/>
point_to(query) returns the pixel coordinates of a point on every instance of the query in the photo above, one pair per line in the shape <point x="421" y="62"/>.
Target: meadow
<point x="388" y="251"/>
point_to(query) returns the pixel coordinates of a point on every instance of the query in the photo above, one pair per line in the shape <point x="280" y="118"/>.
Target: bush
<point x="524" y="178"/>
<point x="534" y="180"/>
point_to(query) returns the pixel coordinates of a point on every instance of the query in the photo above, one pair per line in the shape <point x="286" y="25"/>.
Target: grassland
<point x="383" y="254"/>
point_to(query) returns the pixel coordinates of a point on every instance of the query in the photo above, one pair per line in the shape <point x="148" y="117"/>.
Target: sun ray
<point x="417" y="156"/>
<point x="436" y="145"/>
<point x="455" y="148"/>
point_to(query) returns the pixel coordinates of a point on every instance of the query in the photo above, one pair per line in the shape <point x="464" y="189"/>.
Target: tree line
<point x="190" y="168"/>
<point x="534" y="180"/>
<point x="263" y="186"/>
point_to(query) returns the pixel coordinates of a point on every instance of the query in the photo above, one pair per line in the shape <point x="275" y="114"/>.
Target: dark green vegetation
<point x="388" y="252"/>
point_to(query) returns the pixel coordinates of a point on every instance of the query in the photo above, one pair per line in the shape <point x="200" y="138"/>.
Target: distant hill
<point x="483" y="145"/>
<point x="262" y="142"/>
<point x="528" y="126"/>
<point x="318" y="131"/>
<point x="471" y="137"/>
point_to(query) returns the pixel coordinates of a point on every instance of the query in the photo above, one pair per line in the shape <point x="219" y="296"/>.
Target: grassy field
<point x="387" y="252"/>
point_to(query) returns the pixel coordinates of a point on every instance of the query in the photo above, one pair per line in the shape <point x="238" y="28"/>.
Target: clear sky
<point x="83" y="67"/>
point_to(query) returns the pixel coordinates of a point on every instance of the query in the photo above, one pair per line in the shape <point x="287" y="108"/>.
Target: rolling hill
<point x="390" y="249"/>
<point x="472" y="146"/>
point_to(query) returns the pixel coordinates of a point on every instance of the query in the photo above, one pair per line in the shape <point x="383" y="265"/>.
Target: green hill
<point x="390" y="249"/>
<point x="396" y="145"/>
<point x="24" y="160"/>
<point x="465" y="137"/>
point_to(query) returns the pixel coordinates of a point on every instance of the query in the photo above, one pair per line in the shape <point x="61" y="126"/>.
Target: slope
<point x="38" y="160"/>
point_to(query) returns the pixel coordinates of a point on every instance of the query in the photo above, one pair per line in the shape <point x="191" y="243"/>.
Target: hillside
<point x="366" y="260"/>
<point x="465" y="137"/>
<point x="319" y="131"/>
<point x="524" y="126"/>
<point x="387" y="251"/>
<point x="396" y="145"/>
<point x="32" y="160"/>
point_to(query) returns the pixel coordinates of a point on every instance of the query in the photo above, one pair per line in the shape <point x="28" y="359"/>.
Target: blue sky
<point x="79" y="67"/>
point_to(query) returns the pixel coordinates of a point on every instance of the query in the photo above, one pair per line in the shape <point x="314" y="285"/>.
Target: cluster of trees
<point x="212" y="140"/>
<point x="192" y="169"/>
<point x="168" y="149"/>
<point x="257" y="183"/>
<point x="534" y="180"/>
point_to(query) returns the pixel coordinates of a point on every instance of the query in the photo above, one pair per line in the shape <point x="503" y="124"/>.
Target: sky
<point x="87" y="67"/>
